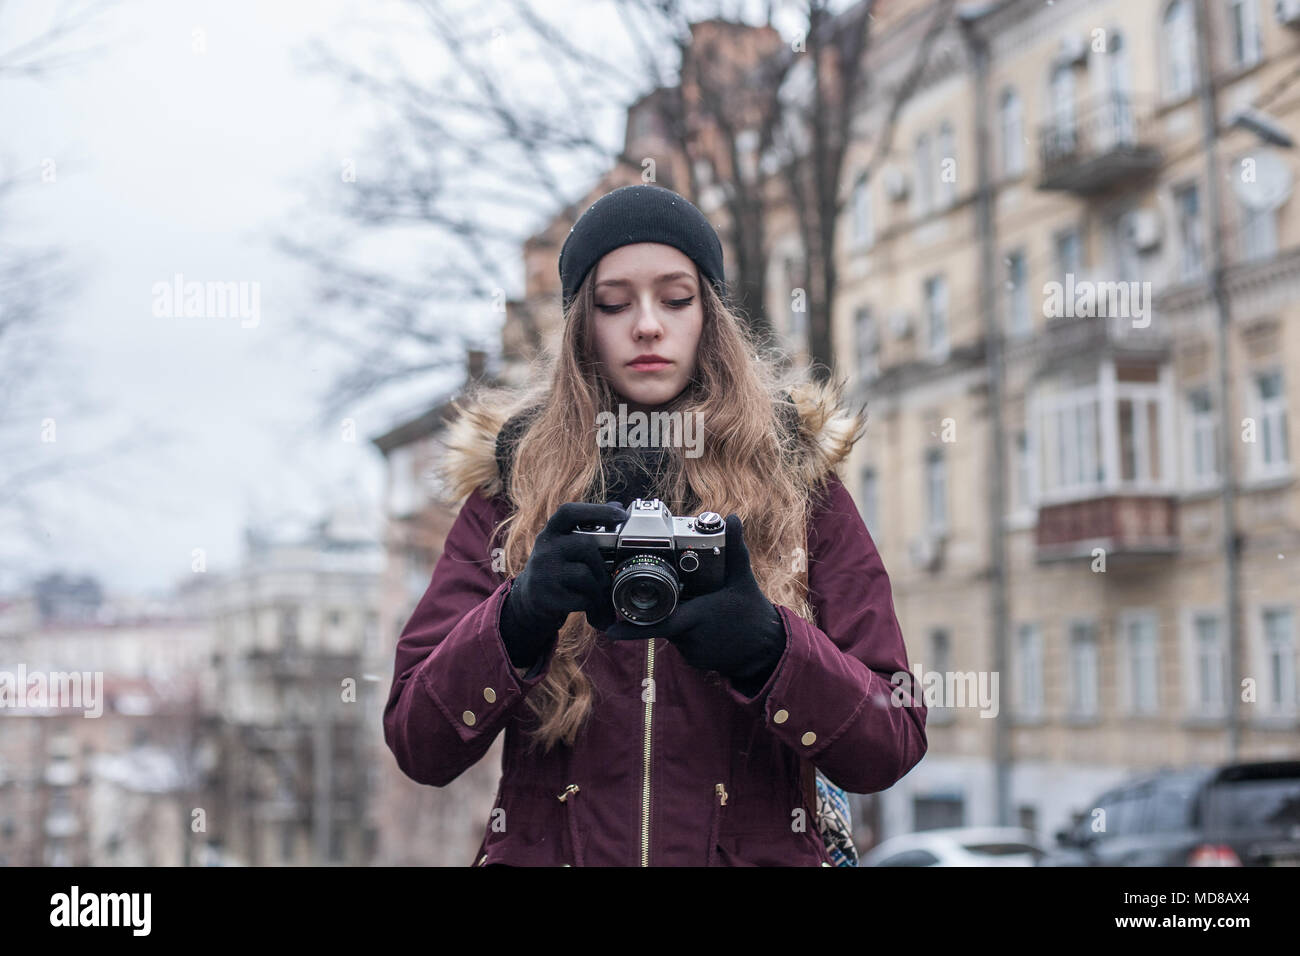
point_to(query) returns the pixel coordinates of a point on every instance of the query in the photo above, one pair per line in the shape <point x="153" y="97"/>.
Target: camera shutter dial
<point x="709" y="522"/>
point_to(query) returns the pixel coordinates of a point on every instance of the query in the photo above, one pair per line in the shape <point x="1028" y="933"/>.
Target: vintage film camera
<point x="657" y="560"/>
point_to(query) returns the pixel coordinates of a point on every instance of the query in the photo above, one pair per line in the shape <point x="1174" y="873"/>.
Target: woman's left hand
<point x="734" y="630"/>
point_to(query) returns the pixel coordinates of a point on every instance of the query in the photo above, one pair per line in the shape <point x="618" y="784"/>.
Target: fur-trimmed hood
<point x="474" y="456"/>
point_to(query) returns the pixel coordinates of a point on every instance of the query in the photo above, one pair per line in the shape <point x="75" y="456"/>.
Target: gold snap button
<point x="781" y="716"/>
<point x="808" y="738"/>
<point x="469" y="718"/>
<point x="489" y="694"/>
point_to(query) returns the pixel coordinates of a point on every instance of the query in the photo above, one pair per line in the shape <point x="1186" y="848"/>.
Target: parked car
<point x="1240" y="814"/>
<point x="958" y="846"/>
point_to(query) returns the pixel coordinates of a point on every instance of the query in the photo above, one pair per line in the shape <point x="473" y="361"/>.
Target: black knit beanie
<point x="639" y="213"/>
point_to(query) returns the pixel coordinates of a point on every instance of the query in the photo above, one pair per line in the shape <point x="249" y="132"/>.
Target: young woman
<point x="693" y="741"/>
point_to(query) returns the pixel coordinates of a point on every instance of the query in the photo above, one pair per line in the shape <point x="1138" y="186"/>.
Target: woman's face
<point x="647" y="303"/>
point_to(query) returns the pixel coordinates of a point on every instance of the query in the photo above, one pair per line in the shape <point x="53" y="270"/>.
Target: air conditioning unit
<point x="900" y="323"/>
<point x="1147" y="231"/>
<point x="896" y="184"/>
<point x="1073" y="50"/>
<point x="926" y="550"/>
<point x="1287" y="12"/>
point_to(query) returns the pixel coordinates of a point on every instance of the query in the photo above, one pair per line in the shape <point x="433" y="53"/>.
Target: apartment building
<point x="1034" y="303"/>
<point x="294" y="630"/>
<point x="102" y="767"/>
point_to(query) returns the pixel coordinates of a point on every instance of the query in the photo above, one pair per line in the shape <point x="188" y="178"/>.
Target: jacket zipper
<point x="645" y="789"/>
<point x="721" y="791"/>
<point x="569" y="791"/>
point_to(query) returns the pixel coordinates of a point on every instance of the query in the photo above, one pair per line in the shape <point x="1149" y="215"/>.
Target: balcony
<point x="1102" y="453"/>
<point x="1123" y="525"/>
<point x="1107" y="142"/>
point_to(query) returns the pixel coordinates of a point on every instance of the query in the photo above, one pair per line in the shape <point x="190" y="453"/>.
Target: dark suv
<point x="1244" y="814"/>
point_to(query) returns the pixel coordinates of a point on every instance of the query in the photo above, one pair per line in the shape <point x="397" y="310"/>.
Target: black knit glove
<point x="564" y="573"/>
<point x="734" y="630"/>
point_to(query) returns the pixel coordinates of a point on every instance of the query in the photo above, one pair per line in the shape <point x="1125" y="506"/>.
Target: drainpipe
<point x="1002" y="757"/>
<point x="1231" y="538"/>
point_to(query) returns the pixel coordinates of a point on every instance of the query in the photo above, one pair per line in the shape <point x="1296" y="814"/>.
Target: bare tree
<point x="478" y="165"/>
<point x="33" y="281"/>
<point x="816" y="132"/>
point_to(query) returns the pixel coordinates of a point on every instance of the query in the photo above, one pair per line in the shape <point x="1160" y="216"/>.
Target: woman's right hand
<point x="564" y="573"/>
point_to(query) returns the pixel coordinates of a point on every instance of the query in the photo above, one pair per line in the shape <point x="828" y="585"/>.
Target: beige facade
<point x="1096" y="174"/>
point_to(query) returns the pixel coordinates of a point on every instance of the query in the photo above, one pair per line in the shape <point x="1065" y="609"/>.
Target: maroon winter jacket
<point x="694" y="773"/>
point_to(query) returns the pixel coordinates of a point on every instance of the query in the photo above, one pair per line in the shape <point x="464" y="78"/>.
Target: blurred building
<point x="1046" y="478"/>
<point x="293" y="630"/>
<point x="415" y="824"/>
<point x="106" y="775"/>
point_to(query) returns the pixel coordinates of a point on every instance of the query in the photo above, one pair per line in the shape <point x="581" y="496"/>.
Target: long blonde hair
<point x="750" y="464"/>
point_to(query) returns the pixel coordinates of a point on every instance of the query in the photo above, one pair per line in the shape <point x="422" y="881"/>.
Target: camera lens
<point x="645" y="589"/>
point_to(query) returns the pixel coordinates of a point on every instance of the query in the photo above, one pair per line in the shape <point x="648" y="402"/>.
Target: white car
<point x="958" y="846"/>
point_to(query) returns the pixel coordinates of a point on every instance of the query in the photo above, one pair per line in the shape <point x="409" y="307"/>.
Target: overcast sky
<point x="169" y="159"/>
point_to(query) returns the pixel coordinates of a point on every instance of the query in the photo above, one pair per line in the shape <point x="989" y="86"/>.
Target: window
<point x="1119" y="127"/>
<point x="1179" y="50"/>
<point x="1011" y="123"/>
<point x="1127" y="813"/>
<point x="288" y="627"/>
<point x="1201" y="440"/>
<point x="1278" y="693"/>
<point x="1017" y="288"/>
<point x="1172" y="804"/>
<point x="1270" y="455"/>
<point x="1205" y="686"/>
<point x="868" y="495"/>
<point x="1084" y="669"/>
<point x="947" y="172"/>
<point x="286" y="841"/>
<point x="1070" y="450"/>
<point x="868" y="343"/>
<point x="1139" y="665"/>
<point x="1139" y="439"/>
<point x="1125" y="259"/>
<point x="936" y="316"/>
<point x="1258" y="232"/>
<point x="940" y="650"/>
<point x="937" y="811"/>
<point x="1029" y="671"/>
<point x="923" y="173"/>
<point x="936" y="491"/>
<point x="863" y="229"/>
<point x="1187" y="201"/>
<point x="910" y="858"/>
<point x="1069" y="253"/>
<point x="1244" y="29"/>
<point x="1062" y="121"/>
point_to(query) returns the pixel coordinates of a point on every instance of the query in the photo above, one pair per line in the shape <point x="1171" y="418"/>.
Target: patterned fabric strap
<point x="835" y="821"/>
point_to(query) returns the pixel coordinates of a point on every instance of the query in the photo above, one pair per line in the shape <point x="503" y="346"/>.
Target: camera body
<point x="657" y="560"/>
